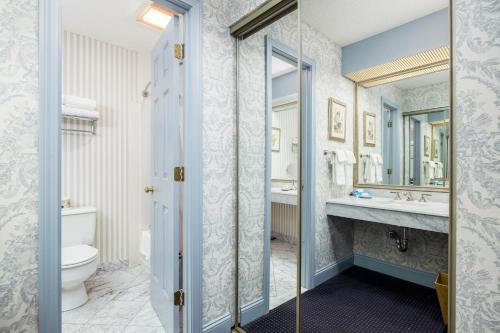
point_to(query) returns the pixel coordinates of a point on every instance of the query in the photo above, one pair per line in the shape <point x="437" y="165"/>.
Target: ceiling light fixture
<point x="155" y="16"/>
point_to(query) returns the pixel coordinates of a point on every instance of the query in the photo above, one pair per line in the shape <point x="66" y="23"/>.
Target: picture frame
<point x="276" y="139"/>
<point x="427" y="146"/>
<point x="369" y="129"/>
<point x="435" y="154"/>
<point x="337" y="112"/>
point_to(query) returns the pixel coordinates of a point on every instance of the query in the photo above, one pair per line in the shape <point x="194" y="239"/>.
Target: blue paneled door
<point x="165" y="130"/>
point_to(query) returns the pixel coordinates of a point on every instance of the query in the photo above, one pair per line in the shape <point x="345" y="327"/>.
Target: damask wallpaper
<point x="219" y="154"/>
<point x="426" y="97"/>
<point x="18" y="165"/>
<point x="477" y="180"/>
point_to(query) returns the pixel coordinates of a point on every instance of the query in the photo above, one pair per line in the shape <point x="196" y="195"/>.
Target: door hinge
<point x="389" y="124"/>
<point x="389" y="171"/>
<point x="179" y="51"/>
<point x="179" y="298"/>
<point x="179" y="174"/>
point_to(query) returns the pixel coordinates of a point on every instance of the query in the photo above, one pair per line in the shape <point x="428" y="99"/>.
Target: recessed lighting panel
<point x="155" y="17"/>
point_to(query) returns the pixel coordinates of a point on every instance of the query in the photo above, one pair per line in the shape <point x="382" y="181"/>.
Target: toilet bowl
<point x="78" y="256"/>
<point x="78" y="263"/>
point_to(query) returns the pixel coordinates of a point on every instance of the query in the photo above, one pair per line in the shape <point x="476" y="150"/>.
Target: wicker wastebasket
<point x="442" y="293"/>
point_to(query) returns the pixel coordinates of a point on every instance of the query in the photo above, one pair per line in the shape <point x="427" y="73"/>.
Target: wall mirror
<point x="403" y="132"/>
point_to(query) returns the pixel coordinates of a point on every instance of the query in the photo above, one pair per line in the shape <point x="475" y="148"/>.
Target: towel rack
<point x="327" y="152"/>
<point x="92" y="124"/>
<point x="364" y="155"/>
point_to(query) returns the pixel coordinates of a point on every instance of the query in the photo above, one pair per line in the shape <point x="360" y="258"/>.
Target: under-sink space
<point x="380" y="226"/>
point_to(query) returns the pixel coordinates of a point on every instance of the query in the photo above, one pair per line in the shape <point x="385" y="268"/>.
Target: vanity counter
<point x="431" y="216"/>
<point x="284" y="197"/>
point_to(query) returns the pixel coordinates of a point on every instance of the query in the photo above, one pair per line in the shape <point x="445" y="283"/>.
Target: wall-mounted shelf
<point x="91" y="121"/>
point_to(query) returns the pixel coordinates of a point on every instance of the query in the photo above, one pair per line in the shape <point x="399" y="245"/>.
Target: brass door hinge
<point x="179" y="174"/>
<point x="389" y="124"/>
<point x="179" y="51"/>
<point x="179" y="297"/>
<point x="389" y="171"/>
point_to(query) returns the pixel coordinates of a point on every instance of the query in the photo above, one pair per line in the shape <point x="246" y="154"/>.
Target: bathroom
<point x="216" y="166"/>
<point x="105" y="164"/>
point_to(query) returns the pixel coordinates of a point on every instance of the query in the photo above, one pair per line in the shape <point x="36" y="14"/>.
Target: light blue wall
<point x="426" y="33"/>
<point x="285" y="85"/>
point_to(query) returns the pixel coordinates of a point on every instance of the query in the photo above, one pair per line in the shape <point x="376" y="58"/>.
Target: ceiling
<point x="349" y="21"/>
<point x="280" y="67"/>
<point x="423" y="80"/>
<point x="112" y="21"/>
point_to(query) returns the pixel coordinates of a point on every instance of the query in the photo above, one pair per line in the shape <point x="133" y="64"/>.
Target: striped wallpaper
<point x="95" y="169"/>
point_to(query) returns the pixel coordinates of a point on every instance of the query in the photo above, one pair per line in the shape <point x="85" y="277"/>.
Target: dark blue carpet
<point x="358" y="301"/>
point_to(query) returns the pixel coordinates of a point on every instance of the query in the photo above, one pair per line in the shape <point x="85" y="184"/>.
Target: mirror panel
<point x="403" y="133"/>
<point x="267" y="170"/>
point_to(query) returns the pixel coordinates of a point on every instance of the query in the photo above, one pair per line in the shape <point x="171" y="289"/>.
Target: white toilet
<point x="78" y="256"/>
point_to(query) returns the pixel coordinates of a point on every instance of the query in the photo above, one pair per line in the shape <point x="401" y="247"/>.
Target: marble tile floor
<point x="282" y="273"/>
<point x="118" y="302"/>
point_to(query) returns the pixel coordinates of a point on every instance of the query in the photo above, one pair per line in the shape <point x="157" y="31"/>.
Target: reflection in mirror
<point x="403" y="131"/>
<point x="267" y="170"/>
<point x="284" y="136"/>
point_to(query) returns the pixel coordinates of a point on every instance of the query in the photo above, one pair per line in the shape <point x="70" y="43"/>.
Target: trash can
<point x="442" y="293"/>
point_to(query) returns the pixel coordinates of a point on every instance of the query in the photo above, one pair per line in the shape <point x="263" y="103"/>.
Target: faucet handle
<point x="398" y="196"/>
<point x="422" y="197"/>
<point x="409" y="196"/>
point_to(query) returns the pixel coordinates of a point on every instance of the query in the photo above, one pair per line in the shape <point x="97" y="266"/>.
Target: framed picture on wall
<point x="435" y="154"/>
<point x="337" y="112"/>
<point x="427" y="146"/>
<point x="369" y="129"/>
<point x="276" y="139"/>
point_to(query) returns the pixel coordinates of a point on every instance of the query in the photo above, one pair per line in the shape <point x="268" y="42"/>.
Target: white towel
<point x="74" y="112"/>
<point x="337" y="161"/>
<point x="372" y="169"/>
<point x="351" y="159"/>
<point x="79" y="102"/>
<point x="379" y="176"/>
<point x="428" y="171"/>
<point x="438" y="172"/>
<point x="366" y="168"/>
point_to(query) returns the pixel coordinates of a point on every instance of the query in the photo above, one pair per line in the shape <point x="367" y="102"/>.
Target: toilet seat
<point x="77" y="255"/>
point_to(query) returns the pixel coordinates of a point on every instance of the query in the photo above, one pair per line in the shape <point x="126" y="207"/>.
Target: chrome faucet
<point x="409" y="196"/>
<point x="398" y="196"/>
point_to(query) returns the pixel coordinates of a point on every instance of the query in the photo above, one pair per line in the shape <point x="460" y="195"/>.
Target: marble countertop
<point x="416" y="207"/>
<point x="431" y="216"/>
<point x="284" y="197"/>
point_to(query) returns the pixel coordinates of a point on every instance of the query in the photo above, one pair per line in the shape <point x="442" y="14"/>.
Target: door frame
<point x="395" y="116"/>
<point x="49" y="145"/>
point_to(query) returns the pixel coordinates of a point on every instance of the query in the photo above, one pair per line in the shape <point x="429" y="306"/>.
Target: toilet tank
<point x="78" y="226"/>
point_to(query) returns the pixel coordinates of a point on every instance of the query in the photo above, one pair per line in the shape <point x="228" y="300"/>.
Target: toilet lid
<point x="77" y="254"/>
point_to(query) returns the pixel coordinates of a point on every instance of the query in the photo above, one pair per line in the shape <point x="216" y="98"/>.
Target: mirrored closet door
<point x="268" y="153"/>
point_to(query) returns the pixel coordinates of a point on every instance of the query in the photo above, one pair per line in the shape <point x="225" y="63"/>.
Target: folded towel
<point x="366" y="168"/>
<point x="351" y="159"/>
<point x="438" y="172"/>
<point x="79" y="102"/>
<point x="338" y="171"/>
<point x="341" y="156"/>
<point x="74" y="112"/>
<point x="376" y="175"/>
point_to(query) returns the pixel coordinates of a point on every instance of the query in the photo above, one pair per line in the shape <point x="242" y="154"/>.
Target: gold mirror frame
<point x="386" y="79"/>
